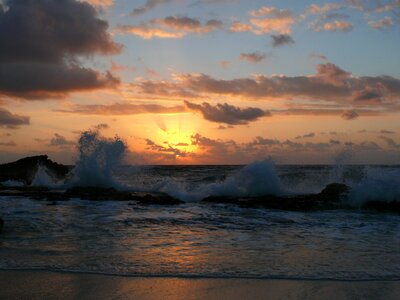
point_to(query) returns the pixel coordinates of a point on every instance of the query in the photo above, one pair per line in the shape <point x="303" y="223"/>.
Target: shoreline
<point x="18" y="284"/>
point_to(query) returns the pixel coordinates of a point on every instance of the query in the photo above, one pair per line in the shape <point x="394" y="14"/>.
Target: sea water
<point x="198" y="239"/>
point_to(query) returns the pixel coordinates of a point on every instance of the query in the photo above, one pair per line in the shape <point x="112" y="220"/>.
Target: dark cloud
<point x="8" y="144"/>
<point x="281" y="40"/>
<point x="12" y="121"/>
<point x="228" y="114"/>
<point x="332" y="74"/>
<point x="330" y="83"/>
<point x="60" y="141"/>
<point x="253" y="57"/>
<point x="102" y="126"/>
<point x="305" y="136"/>
<point x="125" y="109"/>
<point x="369" y="95"/>
<point x="350" y="115"/>
<point x="169" y="150"/>
<point x="39" y="60"/>
<point x="391" y="143"/>
<point x="387" y="132"/>
<point x="149" y="5"/>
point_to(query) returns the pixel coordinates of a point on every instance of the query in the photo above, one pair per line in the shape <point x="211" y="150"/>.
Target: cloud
<point x="322" y="9"/>
<point x="329" y="17"/>
<point x="171" y="151"/>
<point x="350" y="115"/>
<point x="373" y="6"/>
<point x="228" y="114"/>
<point x="369" y="94"/>
<point x="254" y="57"/>
<point x="101" y="3"/>
<point x="391" y="143"/>
<point x="224" y="64"/>
<point x="305" y="136"/>
<point x="337" y="25"/>
<point x="270" y="19"/>
<point x="382" y="23"/>
<point x="330" y="85"/>
<point x="281" y="40"/>
<point x="387" y="132"/>
<point x="39" y="61"/>
<point x="102" y="126"/>
<point x="320" y="57"/>
<point x="149" y="5"/>
<point x="240" y="27"/>
<point x="60" y="141"/>
<point x="124" y="109"/>
<point x="12" y="121"/>
<point x="8" y="144"/>
<point x="170" y="27"/>
<point x="266" y="20"/>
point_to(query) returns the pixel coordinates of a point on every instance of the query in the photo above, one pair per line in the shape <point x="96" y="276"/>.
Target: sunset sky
<point x="202" y="81"/>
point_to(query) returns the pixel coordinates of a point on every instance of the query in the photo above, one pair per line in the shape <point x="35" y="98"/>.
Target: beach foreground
<point x="52" y="285"/>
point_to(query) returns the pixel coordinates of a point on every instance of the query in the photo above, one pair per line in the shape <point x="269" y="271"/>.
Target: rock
<point x="102" y="194"/>
<point x="329" y="198"/>
<point x="159" y="199"/>
<point x="1" y="224"/>
<point x="393" y="206"/>
<point x="98" y="193"/>
<point x="334" y="191"/>
<point x="25" y="169"/>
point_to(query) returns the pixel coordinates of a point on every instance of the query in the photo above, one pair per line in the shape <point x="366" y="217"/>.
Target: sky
<point x="203" y="81"/>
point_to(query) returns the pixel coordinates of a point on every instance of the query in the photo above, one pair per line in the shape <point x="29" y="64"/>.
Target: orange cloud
<point x="334" y="26"/>
<point x="170" y="27"/>
<point x="101" y="3"/>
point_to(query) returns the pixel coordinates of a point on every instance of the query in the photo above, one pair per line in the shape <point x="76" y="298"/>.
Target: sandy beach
<point x="51" y="285"/>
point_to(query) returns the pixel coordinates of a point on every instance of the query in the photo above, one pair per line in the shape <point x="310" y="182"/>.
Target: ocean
<point x="210" y="240"/>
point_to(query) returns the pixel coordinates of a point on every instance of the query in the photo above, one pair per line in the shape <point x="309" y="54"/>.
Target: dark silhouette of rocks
<point x="25" y="169"/>
<point x="329" y="198"/>
<point x="333" y="196"/>
<point x="88" y="193"/>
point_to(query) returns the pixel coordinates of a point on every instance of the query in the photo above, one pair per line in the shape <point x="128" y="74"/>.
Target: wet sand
<point x="51" y="285"/>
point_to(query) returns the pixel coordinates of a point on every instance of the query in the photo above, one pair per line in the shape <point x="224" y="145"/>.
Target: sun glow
<point x="179" y="140"/>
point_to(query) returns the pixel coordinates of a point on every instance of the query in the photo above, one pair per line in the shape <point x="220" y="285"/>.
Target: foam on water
<point x="42" y="178"/>
<point x="378" y="184"/>
<point x="98" y="157"/>
<point x="256" y="179"/>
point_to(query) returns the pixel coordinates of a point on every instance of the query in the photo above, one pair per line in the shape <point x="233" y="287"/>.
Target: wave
<point x="99" y="157"/>
<point x="378" y="184"/>
<point x="256" y="179"/>
<point x="341" y="277"/>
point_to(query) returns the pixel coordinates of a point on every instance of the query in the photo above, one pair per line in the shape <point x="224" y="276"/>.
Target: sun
<point x="180" y="140"/>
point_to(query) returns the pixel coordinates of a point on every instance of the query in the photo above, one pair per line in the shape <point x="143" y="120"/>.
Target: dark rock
<point x="334" y="191"/>
<point x="329" y="198"/>
<point x="97" y="193"/>
<point x="25" y="169"/>
<point x="102" y="194"/>
<point x="159" y="199"/>
<point x="1" y="224"/>
<point x="393" y="206"/>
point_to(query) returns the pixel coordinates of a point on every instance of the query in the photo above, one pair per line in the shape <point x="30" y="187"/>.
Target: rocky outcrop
<point x="89" y="193"/>
<point x="329" y="198"/>
<point x="25" y="169"/>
